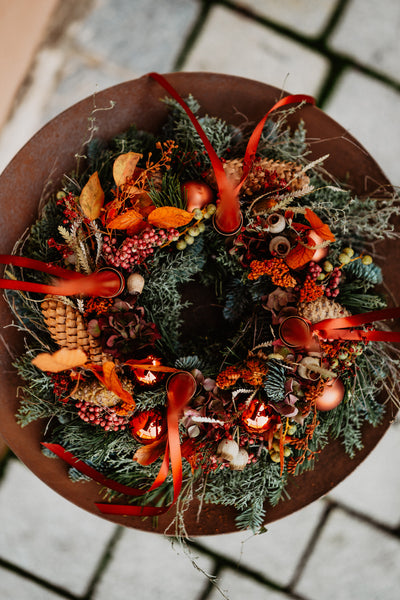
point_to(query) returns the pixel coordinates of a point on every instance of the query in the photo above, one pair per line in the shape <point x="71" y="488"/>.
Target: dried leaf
<point x="169" y="216"/>
<point x="319" y="226"/>
<point x="299" y="256"/>
<point x="128" y="220"/>
<point x="61" y="360"/>
<point x="112" y="383"/>
<point x="124" y="166"/>
<point x="92" y="197"/>
<point x="146" y="455"/>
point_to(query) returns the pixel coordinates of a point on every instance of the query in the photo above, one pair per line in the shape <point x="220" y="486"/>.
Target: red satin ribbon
<point x="343" y="327"/>
<point x="228" y="215"/>
<point x="71" y="283"/>
<point x="179" y="393"/>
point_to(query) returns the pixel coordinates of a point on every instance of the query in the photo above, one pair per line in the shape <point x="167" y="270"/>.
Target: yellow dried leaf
<point x="92" y="197"/>
<point x="169" y="216"/>
<point x="127" y="220"/>
<point x="124" y="166"/>
<point x="61" y="360"/>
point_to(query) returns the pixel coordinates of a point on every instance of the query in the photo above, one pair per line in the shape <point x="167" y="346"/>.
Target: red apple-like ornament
<point x="148" y="426"/>
<point x="198" y="195"/>
<point x="320" y="253"/>
<point x="331" y="396"/>
<point x="256" y="418"/>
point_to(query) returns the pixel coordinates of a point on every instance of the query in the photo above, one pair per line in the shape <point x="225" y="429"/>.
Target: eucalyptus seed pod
<point x="240" y="461"/>
<point x="276" y="223"/>
<point x="279" y="245"/>
<point x="228" y="449"/>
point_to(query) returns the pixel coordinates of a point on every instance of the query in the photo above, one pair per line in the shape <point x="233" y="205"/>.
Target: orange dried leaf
<point x="129" y="219"/>
<point x="146" y="455"/>
<point x="169" y="216"/>
<point x="112" y="383"/>
<point x="299" y="256"/>
<point x="92" y="197"/>
<point x="61" y="360"/>
<point x="124" y="166"/>
<point x="319" y="226"/>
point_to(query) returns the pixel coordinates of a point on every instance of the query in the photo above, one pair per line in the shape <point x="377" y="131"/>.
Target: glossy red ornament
<point x="320" y="253"/>
<point x="198" y="195"/>
<point x="148" y="426"/>
<point x="331" y="396"/>
<point x="256" y="418"/>
<point x="146" y="376"/>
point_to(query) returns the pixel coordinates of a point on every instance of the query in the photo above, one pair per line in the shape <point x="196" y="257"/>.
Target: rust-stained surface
<point x="50" y="153"/>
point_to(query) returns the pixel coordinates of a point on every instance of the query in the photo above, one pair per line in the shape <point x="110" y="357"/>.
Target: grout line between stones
<point x="192" y="35"/>
<point x="312" y="542"/>
<point x="224" y="563"/>
<point x="17" y="570"/>
<point x="103" y="563"/>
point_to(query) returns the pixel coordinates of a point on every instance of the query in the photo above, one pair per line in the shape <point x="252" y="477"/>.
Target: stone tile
<point x="29" y="115"/>
<point x="370" y="110"/>
<point x="374" y="487"/>
<point x="138" y="35"/>
<point x="306" y="16"/>
<point x="352" y="560"/>
<point x="237" y="587"/>
<point x="275" y="553"/>
<point x="13" y="586"/>
<point x="145" y="565"/>
<point x="233" y="44"/>
<point x="26" y="22"/>
<point x="45" y="534"/>
<point x="370" y="36"/>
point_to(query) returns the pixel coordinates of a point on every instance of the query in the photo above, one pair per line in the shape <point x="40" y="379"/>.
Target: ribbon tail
<point x="255" y="137"/>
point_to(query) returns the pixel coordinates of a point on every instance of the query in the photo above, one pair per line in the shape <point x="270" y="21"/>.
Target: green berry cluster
<point x="193" y="231"/>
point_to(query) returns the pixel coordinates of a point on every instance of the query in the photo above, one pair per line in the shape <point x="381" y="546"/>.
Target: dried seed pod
<point x="228" y="449"/>
<point x="305" y="369"/>
<point x="240" y="460"/>
<point x="276" y="223"/>
<point x="135" y="283"/>
<point x="280" y="246"/>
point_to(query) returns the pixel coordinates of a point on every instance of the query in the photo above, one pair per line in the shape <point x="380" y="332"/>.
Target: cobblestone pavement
<point x="344" y="546"/>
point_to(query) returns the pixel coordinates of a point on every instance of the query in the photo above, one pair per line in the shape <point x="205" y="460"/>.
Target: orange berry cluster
<point x="276" y="268"/>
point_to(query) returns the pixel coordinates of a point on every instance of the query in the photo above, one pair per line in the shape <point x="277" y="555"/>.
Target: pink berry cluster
<point x="97" y="415"/>
<point x="329" y="276"/>
<point x="332" y="287"/>
<point x="134" y="250"/>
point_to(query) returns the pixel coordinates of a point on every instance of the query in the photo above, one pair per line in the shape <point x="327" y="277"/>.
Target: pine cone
<point x="95" y="393"/>
<point x="320" y="309"/>
<point x="68" y="328"/>
<point x="257" y="176"/>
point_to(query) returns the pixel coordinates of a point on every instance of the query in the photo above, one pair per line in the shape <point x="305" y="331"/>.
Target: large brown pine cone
<point x="68" y="328"/>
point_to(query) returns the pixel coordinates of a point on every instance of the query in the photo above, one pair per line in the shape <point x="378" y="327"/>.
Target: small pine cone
<point x="256" y="178"/>
<point x="97" y="394"/>
<point x="68" y="328"/>
<point x="320" y="309"/>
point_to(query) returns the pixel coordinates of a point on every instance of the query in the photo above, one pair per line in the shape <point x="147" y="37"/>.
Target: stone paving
<point x="344" y="546"/>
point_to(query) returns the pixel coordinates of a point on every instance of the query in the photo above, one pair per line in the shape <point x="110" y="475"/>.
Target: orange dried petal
<point x="61" y="360"/>
<point x="91" y="199"/>
<point x="169" y="216"/>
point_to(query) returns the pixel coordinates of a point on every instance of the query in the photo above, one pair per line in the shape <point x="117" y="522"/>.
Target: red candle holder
<point x="295" y="332"/>
<point x="116" y="282"/>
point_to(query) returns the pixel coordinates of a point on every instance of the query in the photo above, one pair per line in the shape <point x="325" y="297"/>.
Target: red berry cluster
<point x="332" y="288"/>
<point x="62" y="385"/>
<point x="134" y="250"/>
<point x="97" y="415"/>
<point x="69" y="203"/>
<point x="314" y="270"/>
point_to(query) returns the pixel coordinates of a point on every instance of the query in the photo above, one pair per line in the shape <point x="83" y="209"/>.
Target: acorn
<point x="228" y="449"/>
<point x="135" y="283"/>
